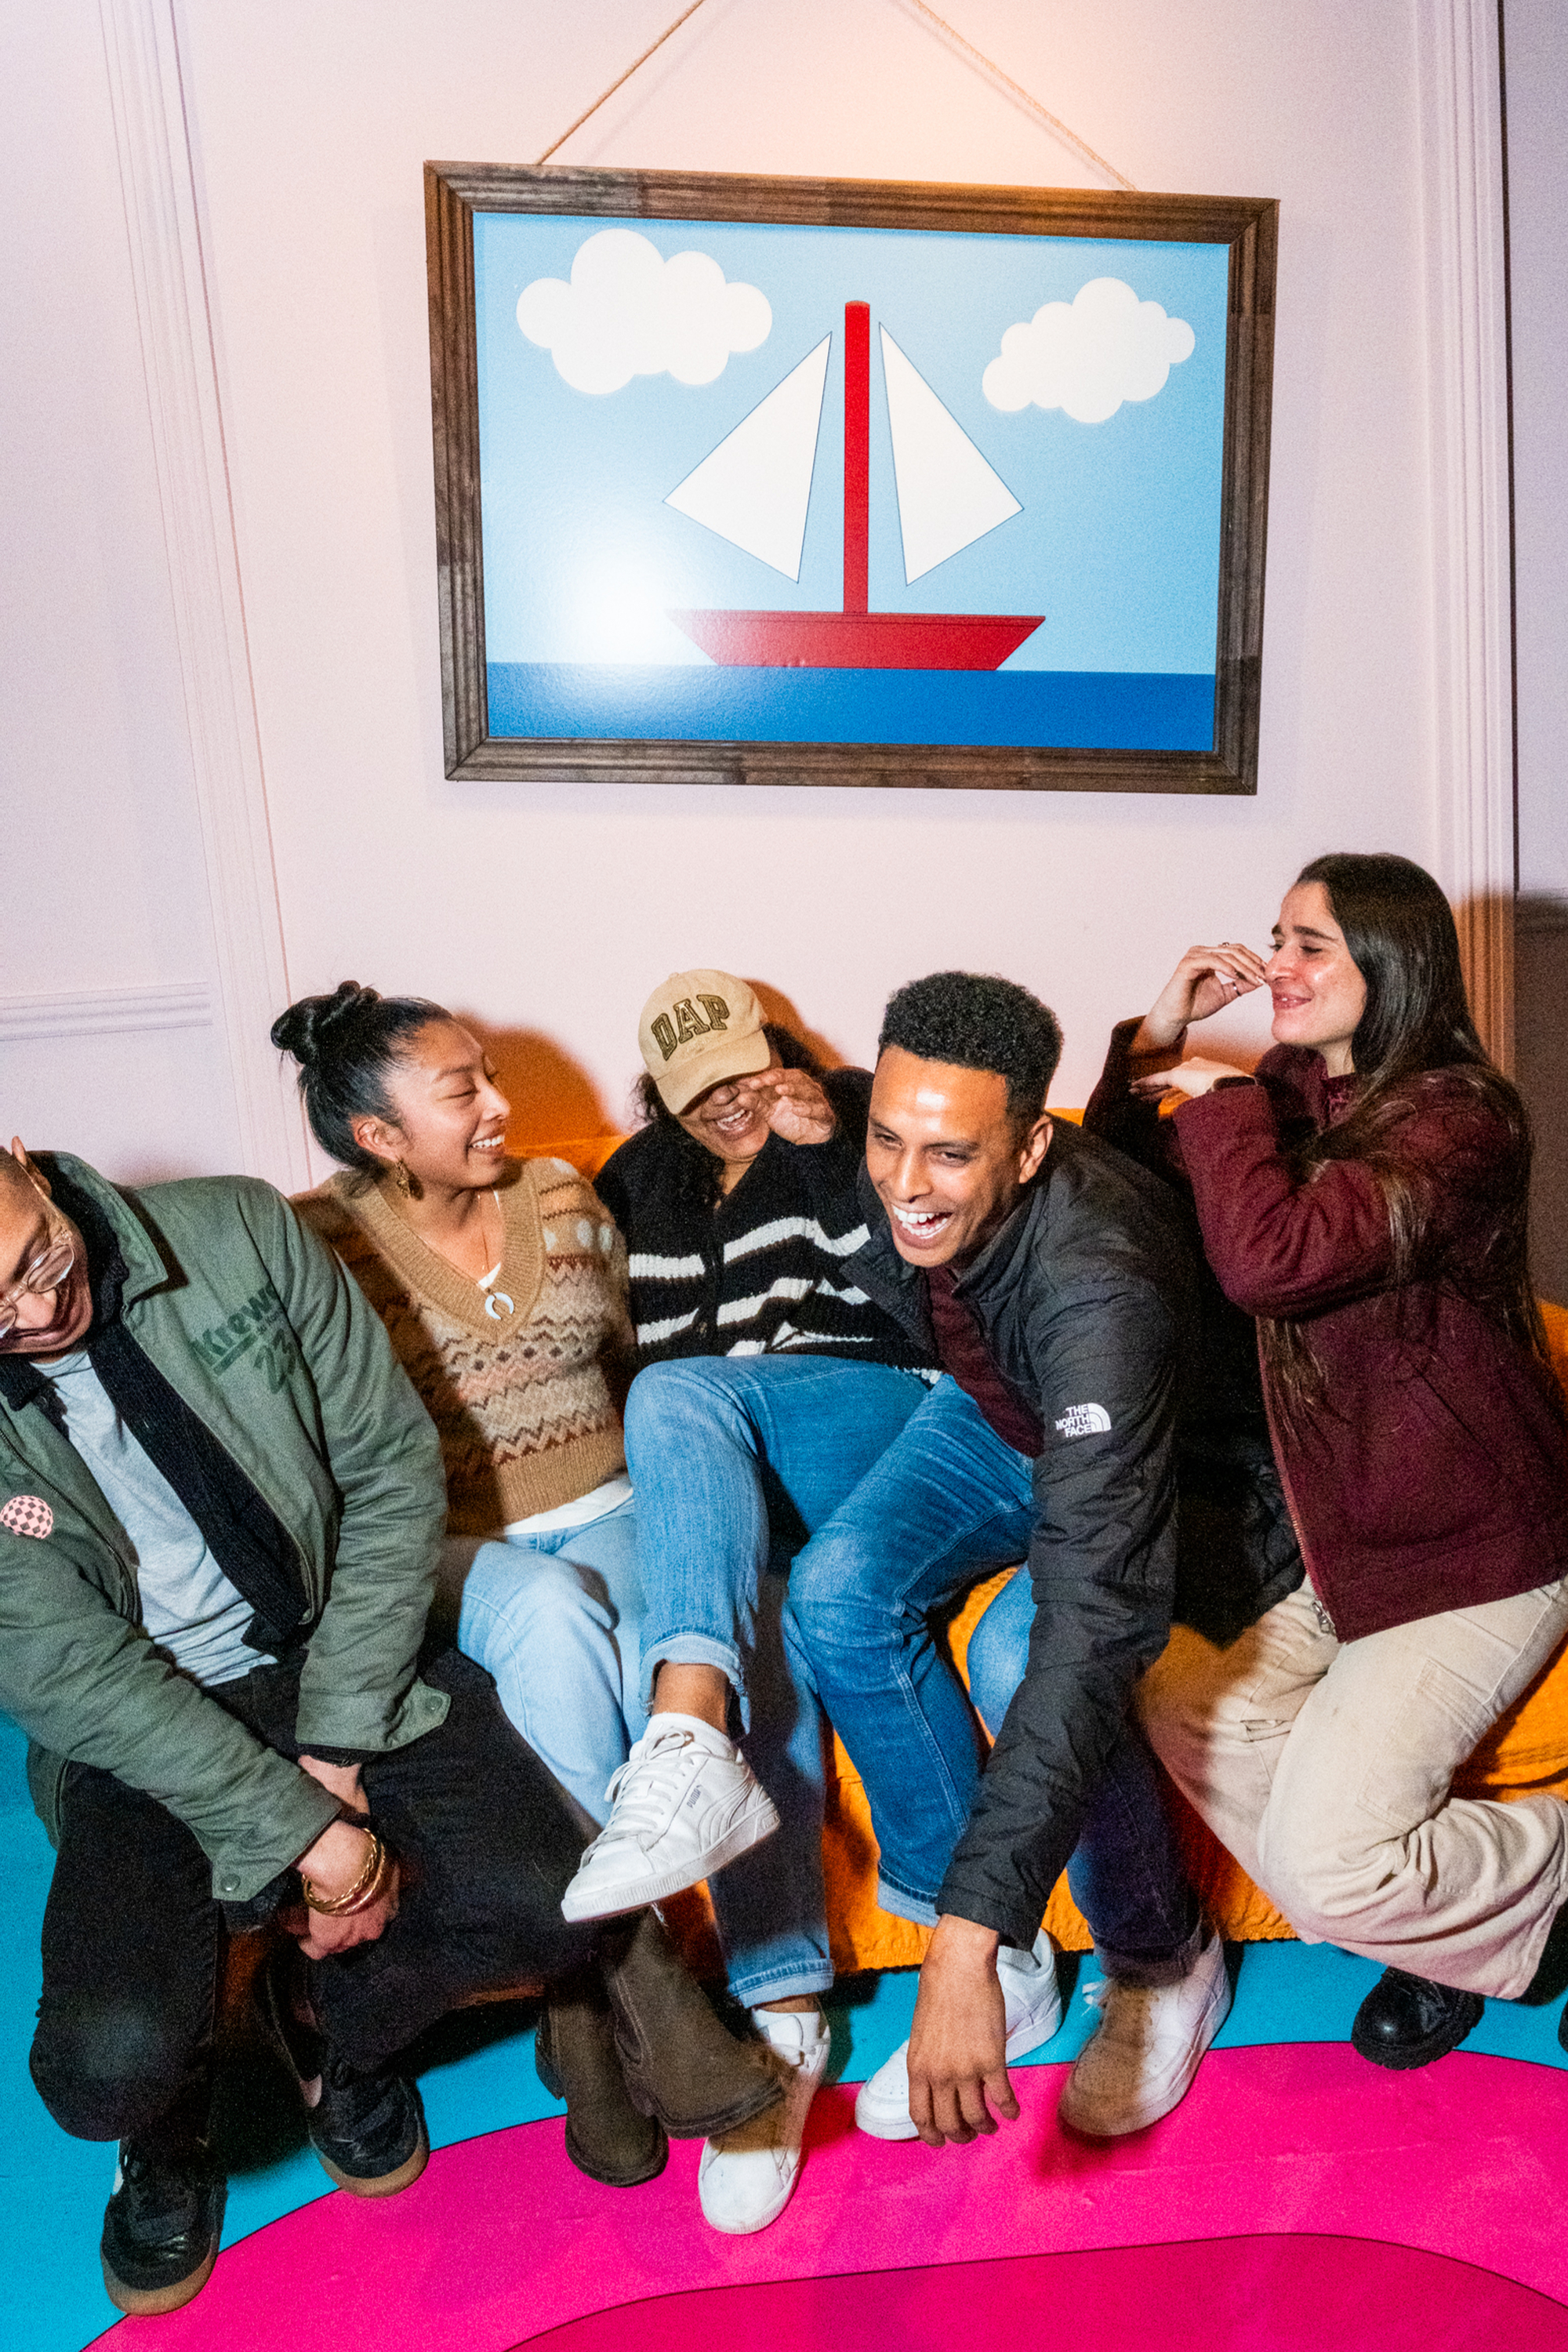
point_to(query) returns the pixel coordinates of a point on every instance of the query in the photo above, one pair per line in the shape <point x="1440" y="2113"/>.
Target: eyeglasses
<point x="47" y="1273"/>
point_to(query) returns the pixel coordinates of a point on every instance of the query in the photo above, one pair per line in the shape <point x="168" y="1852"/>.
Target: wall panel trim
<point x="168" y="274"/>
<point x="1462" y="186"/>
<point x="107" y="1012"/>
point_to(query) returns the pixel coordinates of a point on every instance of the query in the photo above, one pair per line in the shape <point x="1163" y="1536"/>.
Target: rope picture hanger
<point x="1053" y="123"/>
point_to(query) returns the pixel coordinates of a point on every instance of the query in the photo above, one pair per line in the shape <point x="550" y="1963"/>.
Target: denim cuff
<point x="1149" y="1972"/>
<point x="920" y="1909"/>
<point x="694" y="1649"/>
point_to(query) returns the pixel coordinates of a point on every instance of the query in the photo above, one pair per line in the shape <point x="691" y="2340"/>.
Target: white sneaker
<point x="682" y="1805"/>
<point x="1146" y="2050"/>
<point x="746" y="2177"/>
<point x="1033" y="2011"/>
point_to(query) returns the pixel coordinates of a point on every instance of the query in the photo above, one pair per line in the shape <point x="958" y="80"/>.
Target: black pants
<point x="133" y="1941"/>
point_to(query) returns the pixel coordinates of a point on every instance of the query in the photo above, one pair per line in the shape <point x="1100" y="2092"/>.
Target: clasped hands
<point x="334" y="1863"/>
<point x="1204" y="982"/>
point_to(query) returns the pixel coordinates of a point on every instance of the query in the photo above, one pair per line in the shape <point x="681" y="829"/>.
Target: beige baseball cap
<point x="697" y="1028"/>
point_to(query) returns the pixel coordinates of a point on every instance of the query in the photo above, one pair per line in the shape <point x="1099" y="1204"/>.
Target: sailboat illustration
<point x="755" y="490"/>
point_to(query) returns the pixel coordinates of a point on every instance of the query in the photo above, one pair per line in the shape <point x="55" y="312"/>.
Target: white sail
<point x="949" y="496"/>
<point x="755" y="488"/>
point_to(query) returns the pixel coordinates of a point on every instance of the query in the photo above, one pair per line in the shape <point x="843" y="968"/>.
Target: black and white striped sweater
<point x="763" y="1273"/>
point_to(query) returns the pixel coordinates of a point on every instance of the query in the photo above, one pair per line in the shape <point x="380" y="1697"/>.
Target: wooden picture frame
<point x="1244" y="229"/>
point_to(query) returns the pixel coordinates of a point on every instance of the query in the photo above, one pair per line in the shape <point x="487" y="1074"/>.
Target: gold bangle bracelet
<point x="355" y="1898"/>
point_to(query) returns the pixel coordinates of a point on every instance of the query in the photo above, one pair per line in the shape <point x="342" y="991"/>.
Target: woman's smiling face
<point x="450" y="1114"/>
<point x="1319" y="994"/>
<point x="730" y="1124"/>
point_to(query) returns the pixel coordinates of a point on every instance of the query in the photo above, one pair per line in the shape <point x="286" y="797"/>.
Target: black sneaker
<point x="1408" y="2021"/>
<point x="367" y="2129"/>
<point x="161" y="2225"/>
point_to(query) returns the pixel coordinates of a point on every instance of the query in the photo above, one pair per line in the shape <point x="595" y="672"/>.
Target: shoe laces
<point x="643" y="1789"/>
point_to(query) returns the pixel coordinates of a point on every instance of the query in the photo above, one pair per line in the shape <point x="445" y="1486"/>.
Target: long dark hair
<point x="1400" y="932"/>
<point x="695" y="1169"/>
<point x="345" y="1044"/>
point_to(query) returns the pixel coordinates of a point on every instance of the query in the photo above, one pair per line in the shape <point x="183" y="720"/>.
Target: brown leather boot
<point x="574" y="2054"/>
<point x="681" y="2062"/>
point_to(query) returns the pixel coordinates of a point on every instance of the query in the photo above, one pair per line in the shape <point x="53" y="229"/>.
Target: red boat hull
<point x="857" y="640"/>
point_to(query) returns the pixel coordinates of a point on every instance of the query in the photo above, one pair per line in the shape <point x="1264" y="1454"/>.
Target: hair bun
<point x="312" y="1026"/>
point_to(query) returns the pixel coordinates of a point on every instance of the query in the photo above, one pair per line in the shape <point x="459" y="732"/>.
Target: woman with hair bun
<point x="1364" y="1196"/>
<point x="502" y="1286"/>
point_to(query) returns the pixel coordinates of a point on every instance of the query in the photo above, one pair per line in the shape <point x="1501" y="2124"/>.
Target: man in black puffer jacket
<point x="1053" y="1280"/>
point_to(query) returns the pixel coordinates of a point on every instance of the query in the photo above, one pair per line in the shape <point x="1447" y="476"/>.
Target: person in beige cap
<point x="770" y="1383"/>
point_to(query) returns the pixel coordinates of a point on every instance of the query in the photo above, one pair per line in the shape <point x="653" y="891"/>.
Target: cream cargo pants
<point x="1325" y="1766"/>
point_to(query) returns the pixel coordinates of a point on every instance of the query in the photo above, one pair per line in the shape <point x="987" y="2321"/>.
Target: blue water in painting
<point x="1093" y="710"/>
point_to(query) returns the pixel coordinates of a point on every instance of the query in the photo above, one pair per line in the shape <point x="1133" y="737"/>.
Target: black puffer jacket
<point x="1085" y="1297"/>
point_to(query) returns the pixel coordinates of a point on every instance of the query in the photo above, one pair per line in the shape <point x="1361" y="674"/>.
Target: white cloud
<point x="1089" y="355"/>
<point x="628" y="311"/>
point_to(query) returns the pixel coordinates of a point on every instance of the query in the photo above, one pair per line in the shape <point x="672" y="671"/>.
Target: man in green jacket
<point x="220" y="1505"/>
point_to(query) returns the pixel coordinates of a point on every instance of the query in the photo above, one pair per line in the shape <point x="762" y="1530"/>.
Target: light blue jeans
<point x="553" y="1621"/>
<point x="736" y="1460"/>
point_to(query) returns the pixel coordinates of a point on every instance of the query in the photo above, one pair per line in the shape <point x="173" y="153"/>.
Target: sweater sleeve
<point x="1283" y="1246"/>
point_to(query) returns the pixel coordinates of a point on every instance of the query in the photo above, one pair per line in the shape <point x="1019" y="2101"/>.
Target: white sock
<point x="777" y="2025"/>
<point x="715" y="1742"/>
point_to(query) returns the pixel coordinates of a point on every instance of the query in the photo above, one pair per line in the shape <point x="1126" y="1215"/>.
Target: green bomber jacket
<point x="258" y="1329"/>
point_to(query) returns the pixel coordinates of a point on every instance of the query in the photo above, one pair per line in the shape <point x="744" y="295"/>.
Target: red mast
<point x="857" y="454"/>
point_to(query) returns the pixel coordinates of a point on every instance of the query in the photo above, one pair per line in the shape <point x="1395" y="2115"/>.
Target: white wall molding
<point x="107" y="1012"/>
<point x="168" y="274"/>
<point x="1462" y="185"/>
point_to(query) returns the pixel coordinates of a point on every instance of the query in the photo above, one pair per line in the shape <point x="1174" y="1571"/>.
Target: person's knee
<point x="667" y="1403"/>
<point x="835" y="1593"/>
<point x="517" y="1602"/>
<point x="107" y="2066"/>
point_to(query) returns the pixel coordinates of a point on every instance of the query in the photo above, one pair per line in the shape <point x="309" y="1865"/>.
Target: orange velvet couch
<point x="1526" y="1750"/>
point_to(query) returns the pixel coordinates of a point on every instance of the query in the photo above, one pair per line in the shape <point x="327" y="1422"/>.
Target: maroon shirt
<point x="961" y="1350"/>
<point x="1437" y="1476"/>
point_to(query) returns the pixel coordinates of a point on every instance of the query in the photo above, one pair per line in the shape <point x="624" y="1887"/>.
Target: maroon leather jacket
<point x="1435" y="1477"/>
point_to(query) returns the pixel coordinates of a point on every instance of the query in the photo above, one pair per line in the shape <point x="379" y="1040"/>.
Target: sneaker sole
<point x="657" y="1887"/>
<point x="881" y="2123"/>
<point x="384" y="2184"/>
<point x="152" y="2303"/>
<point x="1218" y="2012"/>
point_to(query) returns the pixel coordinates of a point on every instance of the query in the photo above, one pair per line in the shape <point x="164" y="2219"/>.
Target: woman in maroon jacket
<point x="1365" y="1197"/>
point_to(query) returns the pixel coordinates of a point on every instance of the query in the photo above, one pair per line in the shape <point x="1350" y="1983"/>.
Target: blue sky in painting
<point x="1118" y="543"/>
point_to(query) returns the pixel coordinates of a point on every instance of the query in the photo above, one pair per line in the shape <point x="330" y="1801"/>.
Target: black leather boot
<point x="1408" y="2021"/>
<point x="681" y="2062"/>
<point x="575" y="2056"/>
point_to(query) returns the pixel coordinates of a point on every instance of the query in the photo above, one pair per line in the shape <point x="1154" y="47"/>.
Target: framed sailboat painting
<point x="797" y="481"/>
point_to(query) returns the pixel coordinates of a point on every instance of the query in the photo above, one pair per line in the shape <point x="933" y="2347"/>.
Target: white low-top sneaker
<point x="746" y="2178"/>
<point x="1146" y="2049"/>
<point x="682" y="1805"/>
<point x="1034" y="2010"/>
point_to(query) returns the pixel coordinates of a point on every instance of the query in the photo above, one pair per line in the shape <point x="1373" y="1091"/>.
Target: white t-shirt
<point x="188" y="1605"/>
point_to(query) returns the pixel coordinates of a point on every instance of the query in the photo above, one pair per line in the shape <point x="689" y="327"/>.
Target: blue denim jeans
<point x="946" y="1503"/>
<point x="553" y="1621"/>
<point x="735" y="1460"/>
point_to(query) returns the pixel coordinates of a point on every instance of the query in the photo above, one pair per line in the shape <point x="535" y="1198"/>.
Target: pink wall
<point x="549" y="910"/>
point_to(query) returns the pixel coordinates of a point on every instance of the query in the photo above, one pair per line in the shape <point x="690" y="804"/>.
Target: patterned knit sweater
<point x="763" y="1273"/>
<point x="523" y="1403"/>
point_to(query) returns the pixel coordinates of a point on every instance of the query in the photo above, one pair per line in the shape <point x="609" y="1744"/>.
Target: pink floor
<point x="1296" y="2200"/>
